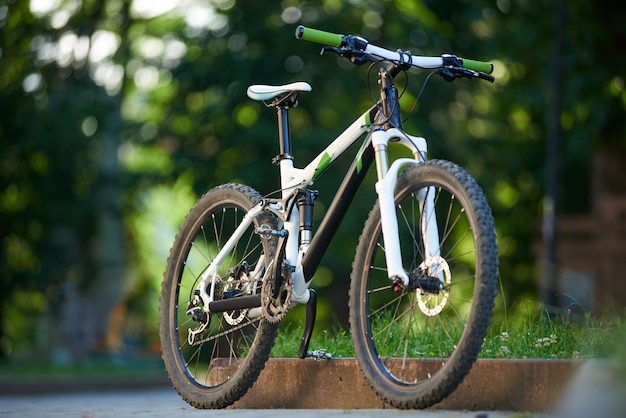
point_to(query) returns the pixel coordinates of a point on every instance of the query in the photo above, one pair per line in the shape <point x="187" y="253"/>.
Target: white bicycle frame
<point x="292" y="178"/>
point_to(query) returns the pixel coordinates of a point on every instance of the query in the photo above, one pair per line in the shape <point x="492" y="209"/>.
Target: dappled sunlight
<point x="148" y="9"/>
<point x="99" y="49"/>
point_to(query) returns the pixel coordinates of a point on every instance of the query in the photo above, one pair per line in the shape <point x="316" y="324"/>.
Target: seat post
<point x="284" y="134"/>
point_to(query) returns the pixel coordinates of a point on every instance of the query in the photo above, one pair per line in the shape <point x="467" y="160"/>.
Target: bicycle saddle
<point x="264" y="92"/>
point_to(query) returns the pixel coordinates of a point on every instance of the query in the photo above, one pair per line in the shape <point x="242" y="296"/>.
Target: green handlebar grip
<point x="319" y="36"/>
<point x="481" y="66"/>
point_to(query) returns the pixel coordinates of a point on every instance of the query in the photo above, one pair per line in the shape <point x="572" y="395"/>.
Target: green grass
<point x="528" y="335"/>
<point x="336" y="342"/>
<point x="543" y="337"/>
<point x="99" y="368"/>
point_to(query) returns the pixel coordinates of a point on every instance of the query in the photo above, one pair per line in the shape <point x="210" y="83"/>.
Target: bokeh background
<point x="116" y="115"/>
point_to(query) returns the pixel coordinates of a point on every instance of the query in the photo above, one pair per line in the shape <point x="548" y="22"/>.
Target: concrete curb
<point x="506" y="385"/>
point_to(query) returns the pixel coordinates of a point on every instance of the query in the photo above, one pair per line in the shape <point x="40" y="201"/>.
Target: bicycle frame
<point x="305" y="257"/>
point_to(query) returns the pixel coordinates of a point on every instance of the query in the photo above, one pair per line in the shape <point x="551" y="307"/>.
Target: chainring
<point x="274" y="308"/>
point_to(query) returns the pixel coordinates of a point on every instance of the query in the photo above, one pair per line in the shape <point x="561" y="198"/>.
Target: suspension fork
<point x="385" y="188"/>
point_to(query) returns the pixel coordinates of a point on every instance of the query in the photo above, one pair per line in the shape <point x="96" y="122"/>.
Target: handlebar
<point x="319" y="36"/>
<point x="358" y="44"/>
<point x="481" y="66"/>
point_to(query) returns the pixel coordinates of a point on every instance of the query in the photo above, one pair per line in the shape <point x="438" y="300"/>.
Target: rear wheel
<point x="442" y="316"/>
<point x="212" y="360"/>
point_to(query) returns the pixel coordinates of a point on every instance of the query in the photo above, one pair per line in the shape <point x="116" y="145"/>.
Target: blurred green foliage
<point x="164" y="83"/>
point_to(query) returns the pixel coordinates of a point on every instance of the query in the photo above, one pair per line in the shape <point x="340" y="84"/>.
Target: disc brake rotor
<point x="432" y="304"/>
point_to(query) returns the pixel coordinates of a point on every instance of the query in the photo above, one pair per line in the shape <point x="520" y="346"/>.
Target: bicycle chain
<point x="228" y="331"/>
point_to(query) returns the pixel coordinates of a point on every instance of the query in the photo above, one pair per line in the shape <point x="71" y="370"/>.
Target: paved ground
<point x="166" y="403"/>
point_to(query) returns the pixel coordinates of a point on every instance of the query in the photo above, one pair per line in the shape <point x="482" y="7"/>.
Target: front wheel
<point x="442" y="316"/>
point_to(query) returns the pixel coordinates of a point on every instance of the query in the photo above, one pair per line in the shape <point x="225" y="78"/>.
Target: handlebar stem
<point x="389" y="97"/>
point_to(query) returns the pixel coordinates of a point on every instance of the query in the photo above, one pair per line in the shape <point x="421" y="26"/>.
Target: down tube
<point x="336" y="211"/>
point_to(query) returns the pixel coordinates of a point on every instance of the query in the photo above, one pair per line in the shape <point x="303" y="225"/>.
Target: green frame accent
<point x="359" y="155"/>
<point x="323" y="164"/>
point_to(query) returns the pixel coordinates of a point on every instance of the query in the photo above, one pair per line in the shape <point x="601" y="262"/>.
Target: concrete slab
<point x="165" y="403"/>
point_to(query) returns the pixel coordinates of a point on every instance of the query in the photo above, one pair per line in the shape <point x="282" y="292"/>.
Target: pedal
<point x="319" y="355"/>
<point x="266" y="232"/>
<point x="311" y="311"/>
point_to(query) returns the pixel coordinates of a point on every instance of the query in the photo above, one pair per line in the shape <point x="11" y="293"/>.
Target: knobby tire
<point x="412" y="359"/>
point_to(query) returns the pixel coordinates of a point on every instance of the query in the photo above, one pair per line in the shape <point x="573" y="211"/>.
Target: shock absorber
<point x="305" y="206"/>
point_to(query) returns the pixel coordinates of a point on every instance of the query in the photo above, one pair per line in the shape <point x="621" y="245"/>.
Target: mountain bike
<point x="424" y="276"/>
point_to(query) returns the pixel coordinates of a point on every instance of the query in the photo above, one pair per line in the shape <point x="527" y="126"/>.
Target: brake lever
<point x="447" y="74"/>
<point x="354" y="56"/>
<point x="452" y="73"/>
<point x="487" y="77"/>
